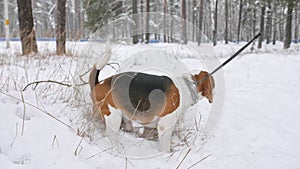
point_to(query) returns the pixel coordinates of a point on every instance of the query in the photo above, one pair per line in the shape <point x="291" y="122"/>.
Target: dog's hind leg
<point x="113" y="123"/>
<point x="126" y="125"/>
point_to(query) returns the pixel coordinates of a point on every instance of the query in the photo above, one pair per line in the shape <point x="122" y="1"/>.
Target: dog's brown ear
<point x="205" y="85"/>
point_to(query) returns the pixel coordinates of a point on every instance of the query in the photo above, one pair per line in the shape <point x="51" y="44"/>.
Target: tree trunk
<point x="240" y="21"/>
<point x="281" y="23"/>
<point x="199" y="38"/>
<point x="262" y="25"/>
<point x="135" y="36"/>
<point x="254" y="22"/>
<point x="296" y="33"/>
<point x="188" y="18"/>
<point x="208" y="20"/>
<point x="27" y="32"/>
<point x="147" y="21"/>
<point x="193" y="20"/>
<point x="215" y="24"/>
<point x="226" y="21"/>
<point x="78" y="26"/>
<point x="274" y="24"/>
<point x="68" y="24"/>
<point x="288" y="26"/>
<point x="165" y="20"/>
<point x="269" y="23"/>
<point x="172" y="20"/>
<point x="231" y="20"/>
<point x="142" y="20"/>
<point x="155" y="9"/>
<point x="61" y="27"/>
<point x="183" y="20"/>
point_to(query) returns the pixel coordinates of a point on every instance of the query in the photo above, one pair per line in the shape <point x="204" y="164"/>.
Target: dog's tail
<point x="93" y="79"/>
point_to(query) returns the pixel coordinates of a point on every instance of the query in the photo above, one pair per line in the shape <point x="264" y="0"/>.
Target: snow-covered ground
<point x="41" y="127"/>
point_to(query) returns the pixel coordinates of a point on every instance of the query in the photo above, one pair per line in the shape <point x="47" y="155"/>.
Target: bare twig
<point x="199" y="161"/>
<point x="81" y="84"/>
<point x="114" y="63"/>
<point x="184" y="158"/>
<point x="168" y="157"/>
<point x="45" y="81"/>
<point x="15" y="135"/>
<point x="99" y="152"/>
<point x="81" y="76"/>
<point x="197" y="124"/>
<point x="78" y="150"/>
<point x="126" y="162"/>
<point x="55" y="139"/>
<point x="80" y="133"/>
<point x="23" y="119"/>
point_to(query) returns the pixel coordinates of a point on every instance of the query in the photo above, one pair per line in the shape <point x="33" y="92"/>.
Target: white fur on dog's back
<point x="187" y="90"/>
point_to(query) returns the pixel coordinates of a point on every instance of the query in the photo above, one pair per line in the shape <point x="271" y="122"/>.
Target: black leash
<point x="234" y="55"/>
<point x="230" y="59"/>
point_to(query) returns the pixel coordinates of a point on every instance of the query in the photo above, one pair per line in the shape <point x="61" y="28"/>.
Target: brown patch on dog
<point x="101" y="97"/>
<point x="173" y="100"/>
<point x="205" y="84"/>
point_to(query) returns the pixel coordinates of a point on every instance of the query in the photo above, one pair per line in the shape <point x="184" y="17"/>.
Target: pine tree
<point x="100" y="12"/>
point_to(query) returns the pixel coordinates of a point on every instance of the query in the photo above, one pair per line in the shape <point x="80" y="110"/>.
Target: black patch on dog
<point x="140" y="87"/>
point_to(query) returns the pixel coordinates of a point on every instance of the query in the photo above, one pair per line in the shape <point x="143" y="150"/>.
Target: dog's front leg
<point x="165" y="129"/>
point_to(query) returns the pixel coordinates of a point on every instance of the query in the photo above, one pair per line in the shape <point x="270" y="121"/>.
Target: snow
<point x="259" y="126"/>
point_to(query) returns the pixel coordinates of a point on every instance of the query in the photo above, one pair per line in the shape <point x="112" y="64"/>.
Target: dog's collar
<point x="190" y="83"/>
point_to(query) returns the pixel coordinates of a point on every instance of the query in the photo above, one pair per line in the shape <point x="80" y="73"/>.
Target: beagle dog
<point x="151" y="100"/>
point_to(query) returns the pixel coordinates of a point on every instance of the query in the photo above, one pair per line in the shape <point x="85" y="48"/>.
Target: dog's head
<point x="205" y="84"/>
